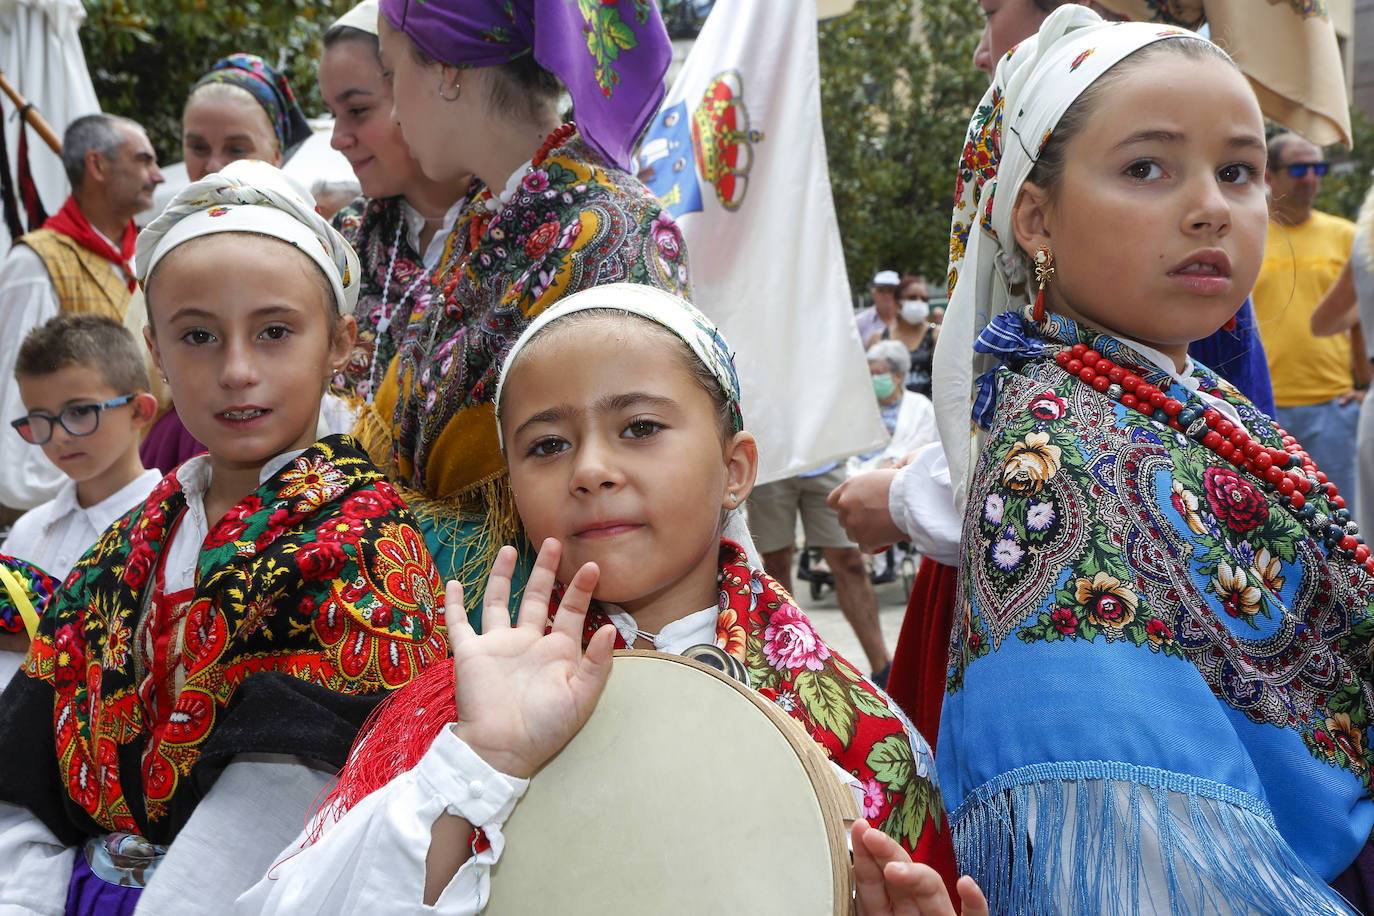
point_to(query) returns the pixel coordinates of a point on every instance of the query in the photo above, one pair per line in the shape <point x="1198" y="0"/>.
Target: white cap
<point x="887" y="278"/>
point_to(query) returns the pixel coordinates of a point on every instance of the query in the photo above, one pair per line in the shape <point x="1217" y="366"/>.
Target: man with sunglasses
<point x="1318" y="381"/>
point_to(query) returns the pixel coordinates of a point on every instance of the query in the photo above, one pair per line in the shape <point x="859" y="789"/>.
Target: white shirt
<point x="258" y="803"/>
<point x="58" y="533"/>
<point x="415" y="224"/>
<point x="921" y="503"/>
<point x="27" y="300"/>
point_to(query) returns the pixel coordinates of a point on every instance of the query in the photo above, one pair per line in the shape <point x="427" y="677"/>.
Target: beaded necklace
<point x="493" y="204"/>
<point x="388" y="310"/>
<point x="1289" y="471"/>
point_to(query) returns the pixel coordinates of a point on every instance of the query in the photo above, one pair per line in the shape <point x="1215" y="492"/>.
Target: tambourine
<point x="685" y="792"/>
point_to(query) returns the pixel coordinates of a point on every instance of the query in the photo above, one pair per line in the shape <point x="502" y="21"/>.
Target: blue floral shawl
<point x="1158" y="689"/>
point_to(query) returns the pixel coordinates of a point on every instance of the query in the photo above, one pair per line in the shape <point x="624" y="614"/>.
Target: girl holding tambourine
<point x="620" y="422"/>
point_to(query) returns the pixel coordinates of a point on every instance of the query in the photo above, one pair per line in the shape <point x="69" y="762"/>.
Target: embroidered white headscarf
<point x="659" y="306"/>
<point x="252" y="196"/>
<point x="1032" y="87"/>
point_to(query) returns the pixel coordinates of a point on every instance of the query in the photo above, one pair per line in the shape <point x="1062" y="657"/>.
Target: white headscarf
<point x="1031" y="89"/>
<point x="252" y="196"/>
<point x="672" y="312"/>
<point x="362" y="17"/>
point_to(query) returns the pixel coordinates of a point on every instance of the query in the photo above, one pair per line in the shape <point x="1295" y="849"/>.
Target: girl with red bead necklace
<point x="1158" y="689"/>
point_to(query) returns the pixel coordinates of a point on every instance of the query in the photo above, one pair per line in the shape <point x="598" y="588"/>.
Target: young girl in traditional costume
<point x="206" y="666"/>
<point x="620" y="416"/>
<point x="1158" y="695"/>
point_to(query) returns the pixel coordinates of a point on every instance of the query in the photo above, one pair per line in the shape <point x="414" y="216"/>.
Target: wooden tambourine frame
<point x="685" y="792"/>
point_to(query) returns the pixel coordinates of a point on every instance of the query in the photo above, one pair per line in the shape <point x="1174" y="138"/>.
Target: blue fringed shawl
<point x="1158" y="692"/>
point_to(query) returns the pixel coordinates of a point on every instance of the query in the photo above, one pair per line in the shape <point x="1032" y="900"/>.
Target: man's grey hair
<point x="893" y="353"/>
<point x="99" y="132"/>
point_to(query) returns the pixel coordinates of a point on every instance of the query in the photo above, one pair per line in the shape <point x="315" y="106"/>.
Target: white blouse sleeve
<point x="255" y="807"/>
<point x="38" y="867"/>
<point x="372" y="860"/>
<point x="921" y="503"/>
<point x="27" y="300"/>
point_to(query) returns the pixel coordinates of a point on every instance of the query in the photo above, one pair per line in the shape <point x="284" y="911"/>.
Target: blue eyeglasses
<point x="1299" y="169"/>
<point x="77" y="419"/>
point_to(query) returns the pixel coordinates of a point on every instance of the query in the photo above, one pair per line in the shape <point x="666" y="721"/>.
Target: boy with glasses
<point x="84" y="384"/>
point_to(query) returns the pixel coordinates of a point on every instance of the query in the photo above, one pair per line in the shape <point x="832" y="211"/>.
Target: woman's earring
<point x="733" y="499"/>
<point x="457" y="91"/>
<point x="1044" y="272"/>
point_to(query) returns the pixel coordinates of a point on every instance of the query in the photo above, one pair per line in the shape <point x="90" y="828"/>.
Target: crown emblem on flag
<point x="722" y="140"/>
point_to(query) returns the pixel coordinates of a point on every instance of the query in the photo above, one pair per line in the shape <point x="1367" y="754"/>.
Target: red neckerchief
<point x="71" y="222"/>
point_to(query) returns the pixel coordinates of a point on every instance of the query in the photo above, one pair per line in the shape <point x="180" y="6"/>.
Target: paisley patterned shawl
<point x="370" y="226"/>
<point x="317" y="579"/>
<point x="855" y="723"/>
<point x="1136" y="612"/>
<point x="575" y="223"/>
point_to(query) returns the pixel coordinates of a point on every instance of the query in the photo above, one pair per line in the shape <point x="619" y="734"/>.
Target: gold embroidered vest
<point x="85" y="281"/>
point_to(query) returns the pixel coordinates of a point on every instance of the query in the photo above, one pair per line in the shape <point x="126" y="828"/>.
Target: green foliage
<point x="895" y="113"/>
<point x="145" y="55"/>
<point x="1345" y="186"/>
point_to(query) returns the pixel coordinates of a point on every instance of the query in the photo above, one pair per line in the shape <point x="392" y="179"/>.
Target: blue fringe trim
<point x="1110" y="838"/>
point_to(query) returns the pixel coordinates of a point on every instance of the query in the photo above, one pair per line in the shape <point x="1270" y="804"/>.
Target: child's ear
<point x="1031" y="218"/>
<point x="345" y="335"/>
<point x="741" y="466"/>
<point x="151" y="341"/>
<point x="145" y="409"/>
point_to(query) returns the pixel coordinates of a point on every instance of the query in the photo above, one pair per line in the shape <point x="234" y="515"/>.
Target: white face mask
<point x="914" y="311"/>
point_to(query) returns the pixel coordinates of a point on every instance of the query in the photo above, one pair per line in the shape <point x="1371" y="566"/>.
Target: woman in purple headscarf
<point x="477" y="86"/>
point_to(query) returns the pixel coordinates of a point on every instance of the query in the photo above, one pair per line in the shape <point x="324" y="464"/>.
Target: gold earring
<point x="1044" y="272"/>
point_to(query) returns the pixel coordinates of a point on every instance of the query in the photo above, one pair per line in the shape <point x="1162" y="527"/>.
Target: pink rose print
<point x="790" y="642"/>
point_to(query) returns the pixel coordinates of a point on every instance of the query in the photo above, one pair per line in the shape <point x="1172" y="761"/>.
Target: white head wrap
<point x="674" y="313"/>
<point x="1031" y="89"/>
<point x="252" y="196"/>
<point x="362" y="17"/>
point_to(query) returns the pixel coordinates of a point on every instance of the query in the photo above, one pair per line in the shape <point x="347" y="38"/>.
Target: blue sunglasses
<point x="1299" y="169"/>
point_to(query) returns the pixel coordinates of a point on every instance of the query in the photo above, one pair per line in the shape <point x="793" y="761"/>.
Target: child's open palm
<point x="521" y="693"/>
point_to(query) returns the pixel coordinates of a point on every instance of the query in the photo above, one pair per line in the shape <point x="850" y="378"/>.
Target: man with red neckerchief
<point x="80" y="261"/>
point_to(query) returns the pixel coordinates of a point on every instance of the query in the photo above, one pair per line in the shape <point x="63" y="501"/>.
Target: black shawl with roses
<point x="314" y="597"/>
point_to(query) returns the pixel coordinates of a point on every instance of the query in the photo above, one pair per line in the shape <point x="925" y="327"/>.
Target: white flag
<point x="737" y="155"/>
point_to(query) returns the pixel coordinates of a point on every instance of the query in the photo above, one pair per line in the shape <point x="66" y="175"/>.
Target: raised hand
<point x="523" y="694"/>
<point x="888" y="883"/>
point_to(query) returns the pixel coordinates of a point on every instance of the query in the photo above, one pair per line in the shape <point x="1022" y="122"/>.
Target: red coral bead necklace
<point x="1289" y="471"/>
<point x="486" y="208"/>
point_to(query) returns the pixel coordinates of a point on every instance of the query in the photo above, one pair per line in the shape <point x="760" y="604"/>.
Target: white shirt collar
<point x="194" y="477"/>
<point x="104" y="513"/>
<point x="675" y="638"/>
<point x="415" y="224"/>
<point x="1186" y="377"/>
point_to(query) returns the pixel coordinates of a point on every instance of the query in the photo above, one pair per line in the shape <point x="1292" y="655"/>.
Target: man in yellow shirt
<point x="1314" y="387"/>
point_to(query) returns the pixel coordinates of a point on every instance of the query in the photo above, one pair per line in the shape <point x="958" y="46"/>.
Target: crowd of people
<point x="332" y="525"/>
